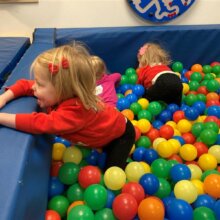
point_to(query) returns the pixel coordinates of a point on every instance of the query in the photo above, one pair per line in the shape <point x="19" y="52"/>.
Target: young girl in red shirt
<point x="160" y="82"/>
<point x="64" y="85"/>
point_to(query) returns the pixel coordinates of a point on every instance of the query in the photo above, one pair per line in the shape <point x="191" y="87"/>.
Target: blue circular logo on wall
<point x="160" y="10"/>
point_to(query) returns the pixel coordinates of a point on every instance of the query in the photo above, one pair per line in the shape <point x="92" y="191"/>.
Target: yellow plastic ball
<point x="196" y="171"/>
<point x="199" y="185"/>
<point x="176" y="132"/>
<point x="157" y="141"/>
<point x="143" y="102"/>
<point x="165" y="149"/>
<point x="132" y="149"/>
<point x="185" y="88"/>
<point x="185" y="190"/>
<point x="57" y="151"/>
<point x="188" y="152"/>
<point x="201" y="118"/>
<point x="72" y="154"/>
<point x="175" y="145"/>
<point x="184" y="126"/>
<point x="146" y="166"/>
<point x="215" y="151"/>
<point x="207" y="162"/>
<point x="144" y="125"/>
<point x="172" y="124"/>
<point x="134" y="171"/>
<point x="134" y="122"/>
<point x="114" y="178"/>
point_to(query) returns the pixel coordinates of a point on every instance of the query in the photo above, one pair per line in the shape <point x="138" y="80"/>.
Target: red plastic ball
<point x="137" y="133"/>
<point x="212" y="119"/>
<point x="124" y="206"/>
<point x="202" y="90"/>
<point x="189" y="138"/>
<point x="153" y="133"/>
<point x="166" y="131"/>
<point x="55" y="167"/>
<point x="89" y="175"/>
<point x="178" y="115"/>
<point x="135" y="189"/>
<point x="176" y="157"/>
<point x="201" y="148"/>
<point x="52" y="215"/>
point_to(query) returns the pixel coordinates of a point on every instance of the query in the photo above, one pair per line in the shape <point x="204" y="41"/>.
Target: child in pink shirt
<point x="106" y="83"/>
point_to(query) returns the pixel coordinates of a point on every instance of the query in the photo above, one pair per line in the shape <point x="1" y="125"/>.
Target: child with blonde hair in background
<point x="154" y="73"/>
<point x="64" y="85"/>
<point x="106" y="83"/>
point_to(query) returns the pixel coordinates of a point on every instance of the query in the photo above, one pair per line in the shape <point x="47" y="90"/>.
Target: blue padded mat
<point x="118" y="46"/>
<point x="11" y="51"/>
<point x="25" y="159"/>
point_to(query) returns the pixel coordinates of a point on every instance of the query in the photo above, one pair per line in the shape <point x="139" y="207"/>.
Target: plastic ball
<point x="73" y="204"/>
<point x="144" y="125"/>
<point x="179" y="209"/>
<point x="160" y="168"/>
<point x="195" y="170"/>
<point x="59" y="204"/>
<point x="165" y="149"/>
<point x="205" y="201"/>
<point x="212" y="185"/>
<point x="197" y="128"/>
<point x="132" y="79"/>
<point x="213" y="85"/>
<point x="180" y="172"/>
<point x="201" y="148"/>
<point x="95" y="196"/>
<point x="89" y="175"/>
<point x="215" y="151"/>
<point x="188" y="152"/>
<point x="104" y="214"/>
<point x="207" y="162"/>
<point x="151" y="208"/>
<point x="68" y="173"/>
<point x="164" y="188"/>
<point x="185" y="190"/>
<point x="131" y="97"/>
<point x="157" y="141"/>
<point x="185" y="88"/>
<point x="55" y="167"/>
<point x="138" y="90"/>
<point x="55" y="187"/>
<point x="124" y="80"/>
<point x="150" y="183"/>
<point x="207" y="69"/>
<point x="192" y="113"/>
<point x="122" y="104"/>
<point x="80" y="212"/>
<point x="203" y="213"/>
<point x="216" y="209"/>
<point x="143" y="102"/>
<point x="150" y="155"/>
<point x="175" y="144"/>
<point x="194" y="85"/>
<point x="166" y="131"/>
<point x="75" y="193"/>
<point x="199" y="185"/>
<point x="144" y="114"/>
<point x="155" y="108"/>
<point x="196" y="67"/>
<point x="196" y="76"/>
<point x="114" y="178"/>
<point x="184" y="125"/>
<point x="134" y="189"/>
<point x="124" y="206"/>
<point x="135" y="107"/>
<point x="178" y="115"/>
<point x="57" y="151"/>
<point x="165" y="115"/>
<point x="134" y="171"/>
<point x="208" y="136"/>
<point x="72" y="154"/>
<point x="143" y="141"/>
<point x="128" y="114"/>
<point x="52" y="215"/>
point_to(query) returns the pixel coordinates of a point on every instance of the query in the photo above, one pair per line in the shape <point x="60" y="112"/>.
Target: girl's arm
<point x="7" y="120"/>
<point x="6" y="97"/>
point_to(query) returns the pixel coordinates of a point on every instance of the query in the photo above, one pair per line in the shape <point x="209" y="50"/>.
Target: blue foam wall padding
<point x="11" y="51"/>
<point x="25" y="159"/>
<point x="118" y="46"/>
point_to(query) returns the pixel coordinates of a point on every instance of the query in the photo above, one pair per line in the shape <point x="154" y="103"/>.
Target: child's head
<point x="151" y="54"/>
<point x="98" y="66"/>
<point x="69" y="70"/>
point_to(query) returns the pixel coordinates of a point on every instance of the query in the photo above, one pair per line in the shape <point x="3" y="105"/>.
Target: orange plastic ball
<point x="212" y="96"/>
<point x="196" y="68"/>
<point x="128" y="114"/>
<point x="73" y="204"/>
<point x="212" y="185"/>
<point x="151" y="208"/>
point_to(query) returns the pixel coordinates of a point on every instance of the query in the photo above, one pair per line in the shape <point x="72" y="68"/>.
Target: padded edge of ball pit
<point x="118" y="46"/>
<point x="25" y="159"/>
<point x="11" y="50"/>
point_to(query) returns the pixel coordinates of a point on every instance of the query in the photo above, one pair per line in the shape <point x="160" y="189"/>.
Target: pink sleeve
<point x="115" y="77"/>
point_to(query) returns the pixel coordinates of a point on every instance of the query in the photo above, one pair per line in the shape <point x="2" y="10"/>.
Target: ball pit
<point x="173" y="167"/>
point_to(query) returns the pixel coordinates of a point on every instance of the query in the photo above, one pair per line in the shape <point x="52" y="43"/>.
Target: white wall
<point x="21" y="19"/>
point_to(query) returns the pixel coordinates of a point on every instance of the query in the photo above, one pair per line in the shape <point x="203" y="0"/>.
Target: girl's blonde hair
<point x="153" y="54"/>
<point x="98" y="66"/>
<point x="74" y="78"/>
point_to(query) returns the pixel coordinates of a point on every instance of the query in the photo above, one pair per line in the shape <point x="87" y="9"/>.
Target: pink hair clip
<point x="143" y="49"/>
<point x="54" y="69"/>
<point x="65" y="63"/>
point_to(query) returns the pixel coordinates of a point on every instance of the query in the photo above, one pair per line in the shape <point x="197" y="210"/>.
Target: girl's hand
<point x="6" y="97"/>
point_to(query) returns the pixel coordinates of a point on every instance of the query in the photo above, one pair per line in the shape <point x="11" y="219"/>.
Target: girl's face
<point x="43" y="89"/>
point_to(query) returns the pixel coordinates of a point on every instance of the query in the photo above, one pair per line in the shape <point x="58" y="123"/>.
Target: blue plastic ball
<point x="200" y="106"/>
<point x="191" y="113"/>
<point x="138" y="90"/>
<point x="157" y="124"/>
<point x="180" y="139"/>
<point x="139" y="153"/>
<point x="150" y="183"/>
<point x="131" y="98"/>
<point x="122" y="104"/>
<point x="204" y="200"/>
<point x="165" y="115"/>
<point x="180" y="172"/>
<point x="55" y="187"/>
<point x="173" y="108"/>
<point x="150" y="155"/>
<point x="214" y="110"/>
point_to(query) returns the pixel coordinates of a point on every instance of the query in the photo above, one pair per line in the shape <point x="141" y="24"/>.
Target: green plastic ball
<point x="143" y="141"/>
<point x="154" y="108"/>
<point x="130" y="71"/>
<point x="207" y="69"/>
<point x="124" y="80"/>
<point x="177" y="66"/>
<point x="105" y="214"/>
<point x="135" y="107"/>
<point x="213" y="85"/>
<point x="80" y="212"/>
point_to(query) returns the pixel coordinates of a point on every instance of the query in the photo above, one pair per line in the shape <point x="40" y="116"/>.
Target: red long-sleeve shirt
<point x="71" y="120"/>
<point x="147" y="73"/>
